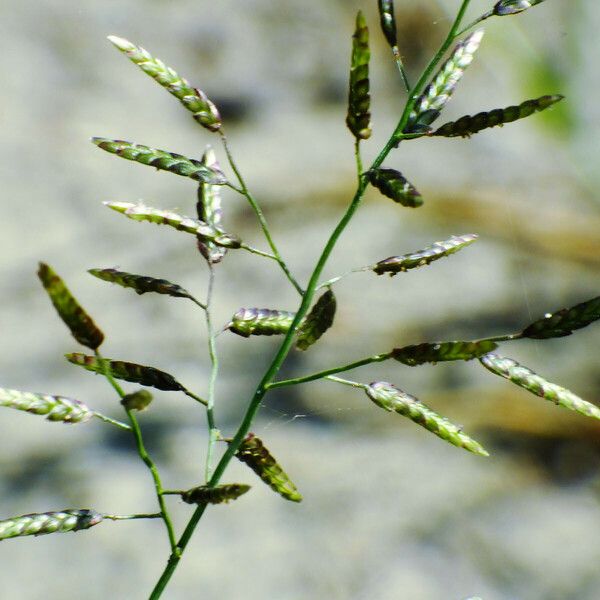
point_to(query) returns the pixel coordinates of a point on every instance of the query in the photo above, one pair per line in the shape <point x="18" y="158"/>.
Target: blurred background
<point x="390" y="511"/>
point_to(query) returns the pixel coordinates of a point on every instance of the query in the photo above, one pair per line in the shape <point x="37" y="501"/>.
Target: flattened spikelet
<point x="429" y="104"/>
<point x="209" y="211"/>
<point x="253" y="452"/>
<point x="318" y="321"/>
<point x="141" y="212"/>
<point x="393" y="399"/>
<point x="127" y="371"/>
<point x="49" y="522"/>
<point x="54" y="408"/>
<point x="442" y="351"/>
<point x="412" y="260"/>
<point x="219" y="494"/>
<point x="468" y="125"/>
<point x="161" y="160"/>
<point x="359" y="99"/>
<point x="565" y="321"/>
<point x="81" y="325"/>
<point x="527" y="379"/>
<point x="394" y="185"/>
<point x="512" y="7"/>
<point x="260" y="321"/>
<point x="388" y="21"/>
<point x="142" y="284"/>
<point x="139" y="400"/>
<point x="196" y="101"/>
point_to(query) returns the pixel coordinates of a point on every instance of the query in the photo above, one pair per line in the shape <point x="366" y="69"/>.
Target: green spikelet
<point x="49" y="522"/>
<point x="512" y="7"/>
<point x="82" y="327"/>
<point x="161" y="160"/>
<point x="527" y="379"/>
<point x="219" y="494"/>
<point x="388" y="21"/>
<point x="394" y="185"/>
<point x="359" y="99"/>
<point x="393" y="399"/>
<point x="139" y="400"/>
<point x="441" y="351"/>
<point x="253" y="452"/>
<point x="468" y="125"/>
<point x="127" y="371"/>
<point x="318" y="321"/>
<point x="140" y="212"/>
<point x="430" y="103"/>
<point x="260" y="321"/>
<point x="54" y="408"/>
<point x="209" y="211"/>
<point x="400" y="264"/>
<point x="196" y="101"/>
<point x="140" y="283"/>
<point x="565" y="321"/>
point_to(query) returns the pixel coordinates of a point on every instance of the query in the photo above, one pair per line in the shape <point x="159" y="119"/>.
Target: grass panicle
<point x="512" y="7"/>
<point x="219" y="494"/>
<point x="394" y="185"/>
<point x="260" y="321"/>
<point x="468" y="125"/>
<point x="194" y="100"/>
<point x="318" y="321"/>
<point x="359" y="99"/>
<point x="421" y="258"/>
<point x="49" y="522"/>
<point x="54" y="408"/>
<point x="81" y="325"/>
<point x="142" y="284"/>
<point x="253" y="452"/>
<point x="127" y="371"/>
<point x="162" y="160"/>
<point x="532" y="382"/>
<point x="434" y="352"/>
<point x="387" y="20"/>
<point x="393" y="399"/>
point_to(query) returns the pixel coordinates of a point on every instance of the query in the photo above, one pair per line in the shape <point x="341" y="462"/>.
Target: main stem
<point x="214" y="361"/>
<point x="307" y="298"/>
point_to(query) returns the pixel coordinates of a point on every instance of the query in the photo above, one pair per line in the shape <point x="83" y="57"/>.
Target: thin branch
<point x="112" y="421"/>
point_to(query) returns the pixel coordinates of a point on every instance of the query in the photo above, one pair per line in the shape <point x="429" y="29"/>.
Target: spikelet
<point x="527" y="379"/>
<point x="260" y="321"/>
<point x="393" y="399"/>
<point x="82" y="327"/>
<point x="400" y="264"/>
<point x="512" y="7"/>
<point x="49" y="522"/>
<point x="142" y="284"/>
<point x="54" y="408"/>
<point x="318" y="321"/>
<point x="219" y="494"/>
<point x="441" y="351"/>
<point x="565" y="321"/>
<point x="394" y="185"/>
<point x="127" y="371"/>
<point x="468" y="125"/>
<point x="196" y="101"/>
<point x="141" y="212"/>
<point x="161" y="160"/>
<point x="430" y="103"/>
<point x="388" y="21"/>
<point x="253" y="452"/>
<point x="139" y="400"/>
<point x="359" y="99"/>
<point x="209" y="211"/>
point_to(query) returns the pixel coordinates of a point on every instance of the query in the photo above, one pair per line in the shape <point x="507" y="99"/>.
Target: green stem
<point x="143" y="453"/>
<point x="354" y="384"/>
<point x="259" y="214"/>
<point x="195" y="301"/>
<point x="214" y="361"/>
<point x="195" y="397"/>
<point x="111" y="421"/>
<point x="307" y="298"/>
<point x="131" y="517"/>
<point x="478" y="20"/>
<point x="332" y="371"/>
<point x="258" y="252"/>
